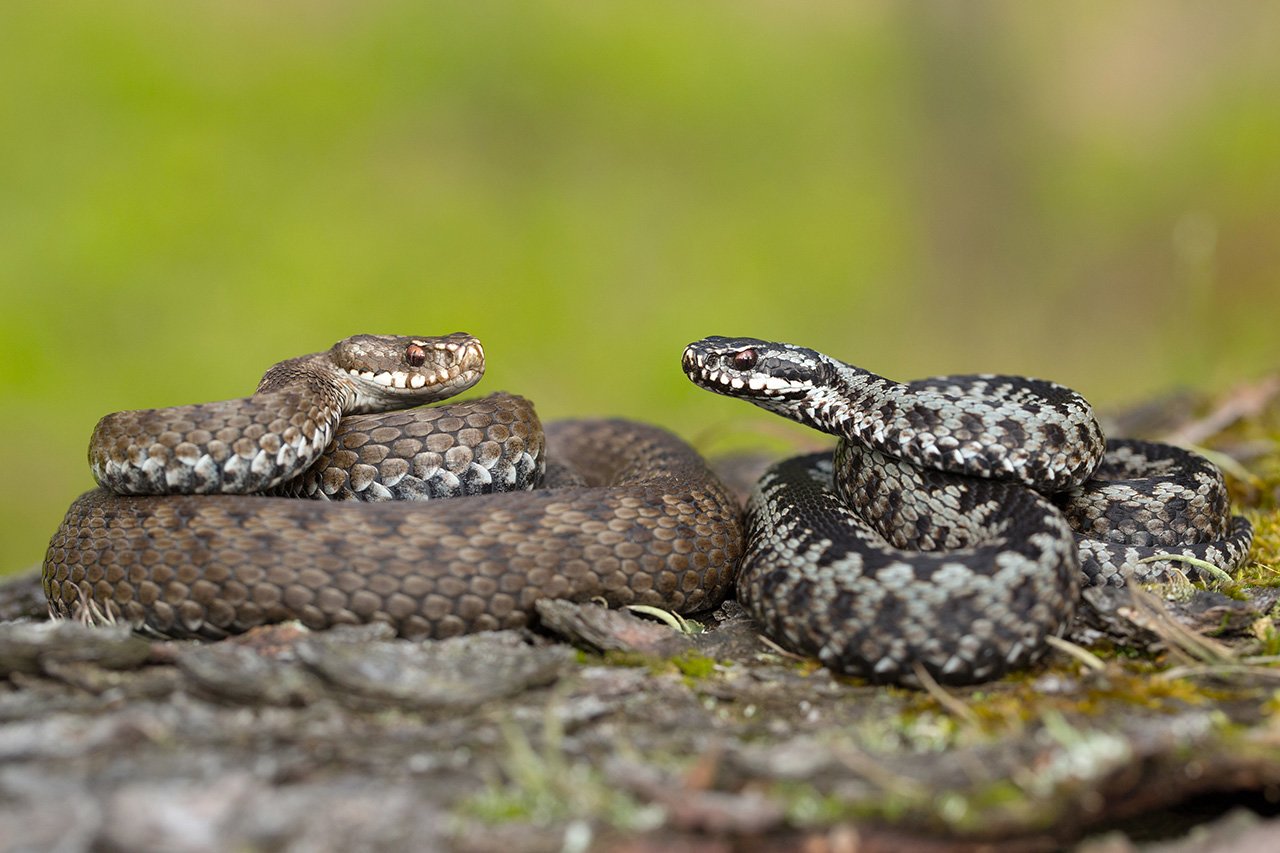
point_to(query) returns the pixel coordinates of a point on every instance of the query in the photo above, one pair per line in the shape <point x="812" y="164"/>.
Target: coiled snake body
<point x="172" y="545"/>
<point x="940" y="535"/>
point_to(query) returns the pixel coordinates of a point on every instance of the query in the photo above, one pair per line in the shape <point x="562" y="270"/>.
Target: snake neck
<point x="982" y="427"/>
<point x="845" y="402"/>
<point x="237" y="446"/>
<point x="256" y="443"/>
<point x="315" y="378"/>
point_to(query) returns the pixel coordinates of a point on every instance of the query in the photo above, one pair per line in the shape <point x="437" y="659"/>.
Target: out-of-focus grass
<point x="190" y="192"/>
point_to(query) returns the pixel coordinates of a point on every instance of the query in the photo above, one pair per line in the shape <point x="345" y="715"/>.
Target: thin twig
<point x="952" y="705"/>
<point x="1086" y="657"/>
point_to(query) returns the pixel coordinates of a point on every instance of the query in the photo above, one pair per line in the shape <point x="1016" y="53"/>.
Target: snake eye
<point x="415" y="355"/>
<point x="745" y="359"/>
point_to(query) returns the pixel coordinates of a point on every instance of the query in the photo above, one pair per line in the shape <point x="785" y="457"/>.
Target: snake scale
<point x="179" y="540"/>
<point x="954" y="525"/>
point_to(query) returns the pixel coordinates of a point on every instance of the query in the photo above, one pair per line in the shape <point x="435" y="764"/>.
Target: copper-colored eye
<point x="745" y="359"/>
<point x="415" y="355"/>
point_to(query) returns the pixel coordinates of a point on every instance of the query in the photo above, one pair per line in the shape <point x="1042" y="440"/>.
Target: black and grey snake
<point x="940" y="533"/>
<point x="174" y="543"/>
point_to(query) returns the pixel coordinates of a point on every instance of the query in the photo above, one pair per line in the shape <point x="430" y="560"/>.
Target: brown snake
<point x="170" y="545"/>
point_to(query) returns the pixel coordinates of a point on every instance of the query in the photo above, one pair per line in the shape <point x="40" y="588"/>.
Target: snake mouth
<point x="732" y="370"/>
<point x="398" y="372"/>
<point x="399" y="380"/>
<point x="453" y="361"/>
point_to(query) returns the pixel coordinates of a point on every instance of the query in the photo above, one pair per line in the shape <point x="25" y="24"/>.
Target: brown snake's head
<point x="394" y="371"/>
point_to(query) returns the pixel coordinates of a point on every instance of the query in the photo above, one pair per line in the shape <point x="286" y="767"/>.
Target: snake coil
<point x="958" y="518"/>
<point x="178" y="542"/>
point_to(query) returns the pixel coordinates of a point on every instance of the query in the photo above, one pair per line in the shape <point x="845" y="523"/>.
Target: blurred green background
<point x="190" y="192"/>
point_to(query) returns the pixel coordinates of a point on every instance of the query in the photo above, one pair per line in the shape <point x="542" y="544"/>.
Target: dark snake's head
<point x="769" y="374"/>
<point x="394" y="371"/>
